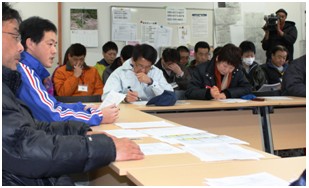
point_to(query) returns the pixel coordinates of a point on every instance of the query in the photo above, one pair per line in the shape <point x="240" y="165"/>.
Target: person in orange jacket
<point x="76" y="78"/>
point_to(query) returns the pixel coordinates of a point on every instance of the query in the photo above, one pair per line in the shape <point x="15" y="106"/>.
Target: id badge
<point x="174" y="85"/>
<point x="83" y="88"/>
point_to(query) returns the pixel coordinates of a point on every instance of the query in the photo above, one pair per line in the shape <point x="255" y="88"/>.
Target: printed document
<point x="112" y="98"/>
<point x="221" y="152"/>
<point x="257" y="179"/>
<point x="159" y="149"/>
<point x="149" y="124"/>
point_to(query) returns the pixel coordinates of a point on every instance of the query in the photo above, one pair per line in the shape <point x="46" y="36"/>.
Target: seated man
<point x="137" y="77"/>
<point x="252" y="70"/>
<point x="294" y="78"/>
<point x="39" y="38"/>
<point x="109" y="52"/>
<point x="184" y="54"/>
<point x="125" y="54"/>
<point x="76" y="78"/>
<point x="220" y="78"/>
<point x="201" y="55"/>
<point x="38" y="153"/>
<point x="275" y="68"/>
<point x="175" y="74"/>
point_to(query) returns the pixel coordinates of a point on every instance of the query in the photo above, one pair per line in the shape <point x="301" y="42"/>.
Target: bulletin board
<point x="158" y="14"/>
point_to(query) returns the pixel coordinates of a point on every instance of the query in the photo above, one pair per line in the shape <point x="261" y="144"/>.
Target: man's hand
<point x="214" y="91"/>
<point x="127" y="149"/>
<point x="94" y="106"/>
<point x="175" y="68"/>
<point x="221" y="96"/>
<point x="78" y="70"/>
<point x="279" y="31"/>
<point x="142" y="77"/>
<point x="131" y="96"/>
<point x="110" y="114"/>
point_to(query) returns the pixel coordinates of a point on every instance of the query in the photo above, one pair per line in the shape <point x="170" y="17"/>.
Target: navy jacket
<point x="204" y="75"/>
<point x="294" y="78"/>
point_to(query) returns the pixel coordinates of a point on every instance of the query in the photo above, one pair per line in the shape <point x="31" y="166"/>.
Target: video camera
<point x="271" y="22"/>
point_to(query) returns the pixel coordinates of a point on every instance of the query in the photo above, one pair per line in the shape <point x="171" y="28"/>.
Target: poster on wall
<point x="84" y="27"/>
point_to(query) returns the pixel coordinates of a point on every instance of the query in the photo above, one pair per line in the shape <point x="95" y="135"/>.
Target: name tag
<point x="83" y="88"/>
<point x="174" y="85"/>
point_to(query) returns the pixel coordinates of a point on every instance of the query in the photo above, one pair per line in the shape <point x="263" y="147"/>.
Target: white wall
<point x="44" y="10"/>
<point x="49" y="11"/>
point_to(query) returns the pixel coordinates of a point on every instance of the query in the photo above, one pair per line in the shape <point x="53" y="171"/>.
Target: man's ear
<point x="30" y="44"/>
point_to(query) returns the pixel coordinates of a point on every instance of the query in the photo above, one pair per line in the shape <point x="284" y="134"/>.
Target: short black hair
<point x="126" y="52"/>
<point x="9" y="13"/>
<point x="283" y="11"/>
<point x="77" y="49"/>
<point x="110" y="45"/>
<point x="231" y="54"/>
<point x="170" y="54"/>
<point x="247" y="46"/>
<point x="182" y="49"/>
<point x="279" y="48"/>
<point x="201" y="44"/>
<point x="34" y="28"/>
<point x="145" y="51"/>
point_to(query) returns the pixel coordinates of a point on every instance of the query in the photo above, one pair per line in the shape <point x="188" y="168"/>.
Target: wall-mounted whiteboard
<point x="161" y="26"/>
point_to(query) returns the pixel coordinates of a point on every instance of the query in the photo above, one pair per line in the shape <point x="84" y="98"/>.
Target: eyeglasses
<point x="15" y="35"/>
<point x="139" y="66"/>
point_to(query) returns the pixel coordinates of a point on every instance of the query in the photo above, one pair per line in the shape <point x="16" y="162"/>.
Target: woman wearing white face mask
<point x="251" y="69"/>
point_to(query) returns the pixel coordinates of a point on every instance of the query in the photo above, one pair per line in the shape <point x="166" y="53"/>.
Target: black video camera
<point x="271" y="22"/>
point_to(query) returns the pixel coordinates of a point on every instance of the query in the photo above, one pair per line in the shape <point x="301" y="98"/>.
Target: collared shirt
<point x="124" y="77"/>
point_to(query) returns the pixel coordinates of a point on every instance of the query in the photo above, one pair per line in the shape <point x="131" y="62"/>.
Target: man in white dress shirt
<point x="138" y="78"/>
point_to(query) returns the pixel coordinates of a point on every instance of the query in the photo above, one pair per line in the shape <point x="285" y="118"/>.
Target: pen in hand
<point x="129" y="88"/>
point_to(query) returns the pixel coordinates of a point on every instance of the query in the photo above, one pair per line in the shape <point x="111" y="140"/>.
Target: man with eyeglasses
<point x="285" y="34"/>
<point x="277" y="65"/>
<point x="137" y="77"/>
<point x="37" y="153"/>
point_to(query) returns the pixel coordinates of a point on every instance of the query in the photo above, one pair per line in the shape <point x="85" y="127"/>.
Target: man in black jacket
<point x="174" y="73"/>
<point x="40" y="153"/>
<point x="221" y="78"/>
<point x="284" y="33"/>
<point x="294" y="78"/>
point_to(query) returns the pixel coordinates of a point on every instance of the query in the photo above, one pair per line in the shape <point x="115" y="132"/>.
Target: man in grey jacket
<point x="40" y="153"/>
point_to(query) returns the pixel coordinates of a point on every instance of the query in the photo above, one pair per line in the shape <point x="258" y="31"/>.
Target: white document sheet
<point x="211" y="140"/>
<point x="159" y="149"/>
<point x="121" y="133"/>
<point x="233" y="100"/>
<point x="221" y="152"/>
<point x="184" y="139"/>
<point x="178" y="130"/>
<point x="149" y="124"/>
<point x="112" y="98"/>
<point x="257" y="179"/>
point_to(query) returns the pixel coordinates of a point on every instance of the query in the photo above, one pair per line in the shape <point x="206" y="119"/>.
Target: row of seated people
<point x="78" y="79"/>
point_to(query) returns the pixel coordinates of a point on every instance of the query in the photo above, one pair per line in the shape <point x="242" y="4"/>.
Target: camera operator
<point x="281" y="32"/>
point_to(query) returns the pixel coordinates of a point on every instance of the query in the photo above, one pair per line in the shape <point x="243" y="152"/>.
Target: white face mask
<point x="248" y="61"/>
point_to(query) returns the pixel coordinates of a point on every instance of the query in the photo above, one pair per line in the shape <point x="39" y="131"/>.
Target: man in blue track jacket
<point x="39" y="39"/>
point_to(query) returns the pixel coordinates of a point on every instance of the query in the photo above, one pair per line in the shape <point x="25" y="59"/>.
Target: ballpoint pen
<point x="129" y="88"/>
